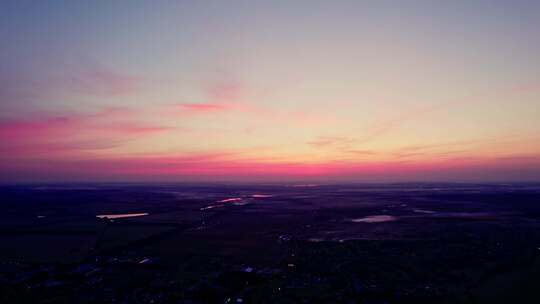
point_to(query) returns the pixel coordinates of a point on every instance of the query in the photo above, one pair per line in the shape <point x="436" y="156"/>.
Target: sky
<point x="348" y="91"/>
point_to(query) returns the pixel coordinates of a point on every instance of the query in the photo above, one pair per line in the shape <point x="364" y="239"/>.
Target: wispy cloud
<point x="331" y="141"/>
<point x="71" y="132"/>
<point x="222" y="96"/>
<point x="187" y="109"/>
<point x="226" y="90"/>
<point x="527" y="88"/>
<point x="33" y="86"/>
<point x="102" y="81"/>
<point x="250" y="110"/>
<point x="227" y="95"/>
<point x="417" y="113"/>
<point x="383" y="127"/>
<point x="360" y="152"/>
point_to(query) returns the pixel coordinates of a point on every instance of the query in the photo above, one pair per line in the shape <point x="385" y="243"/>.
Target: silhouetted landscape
<point x="288" y="243"/>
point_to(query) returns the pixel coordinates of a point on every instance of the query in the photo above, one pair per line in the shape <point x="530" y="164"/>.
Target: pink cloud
<point x="41" y="123"/>
<point x="204" y="108"/>
<point x="224" y="87"/>
<point x="259" y="112"/>
<point x="132" y="128"/>
<point x="36" y="128"/>
<point x="227" y="95"/>
<point x="222" y="97"/>
<point x="226" y="91"/>
<point x="52" y="134"/>
<point x="527" y="88"/>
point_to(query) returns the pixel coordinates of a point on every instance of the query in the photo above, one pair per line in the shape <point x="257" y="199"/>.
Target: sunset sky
<point x="348" y="91"/>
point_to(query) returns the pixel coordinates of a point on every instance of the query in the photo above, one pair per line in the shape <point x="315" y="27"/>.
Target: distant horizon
<point x="293" y="183"/>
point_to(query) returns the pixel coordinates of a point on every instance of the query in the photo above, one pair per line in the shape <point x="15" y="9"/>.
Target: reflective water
<point x="118" y="216"/>
<point x="375" y="219"/>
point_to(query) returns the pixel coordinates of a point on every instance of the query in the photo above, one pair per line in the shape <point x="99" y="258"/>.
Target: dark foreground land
<point x="406" y="243"/>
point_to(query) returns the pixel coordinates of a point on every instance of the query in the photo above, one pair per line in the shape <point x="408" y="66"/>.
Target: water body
<point x="423" y="211"/>
<point x="228" y="200"/>
<point x="119" y="216"/>
<point x="375" y="219"/>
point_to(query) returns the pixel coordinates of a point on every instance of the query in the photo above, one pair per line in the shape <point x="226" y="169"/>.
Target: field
<point x="167" y="243"/>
